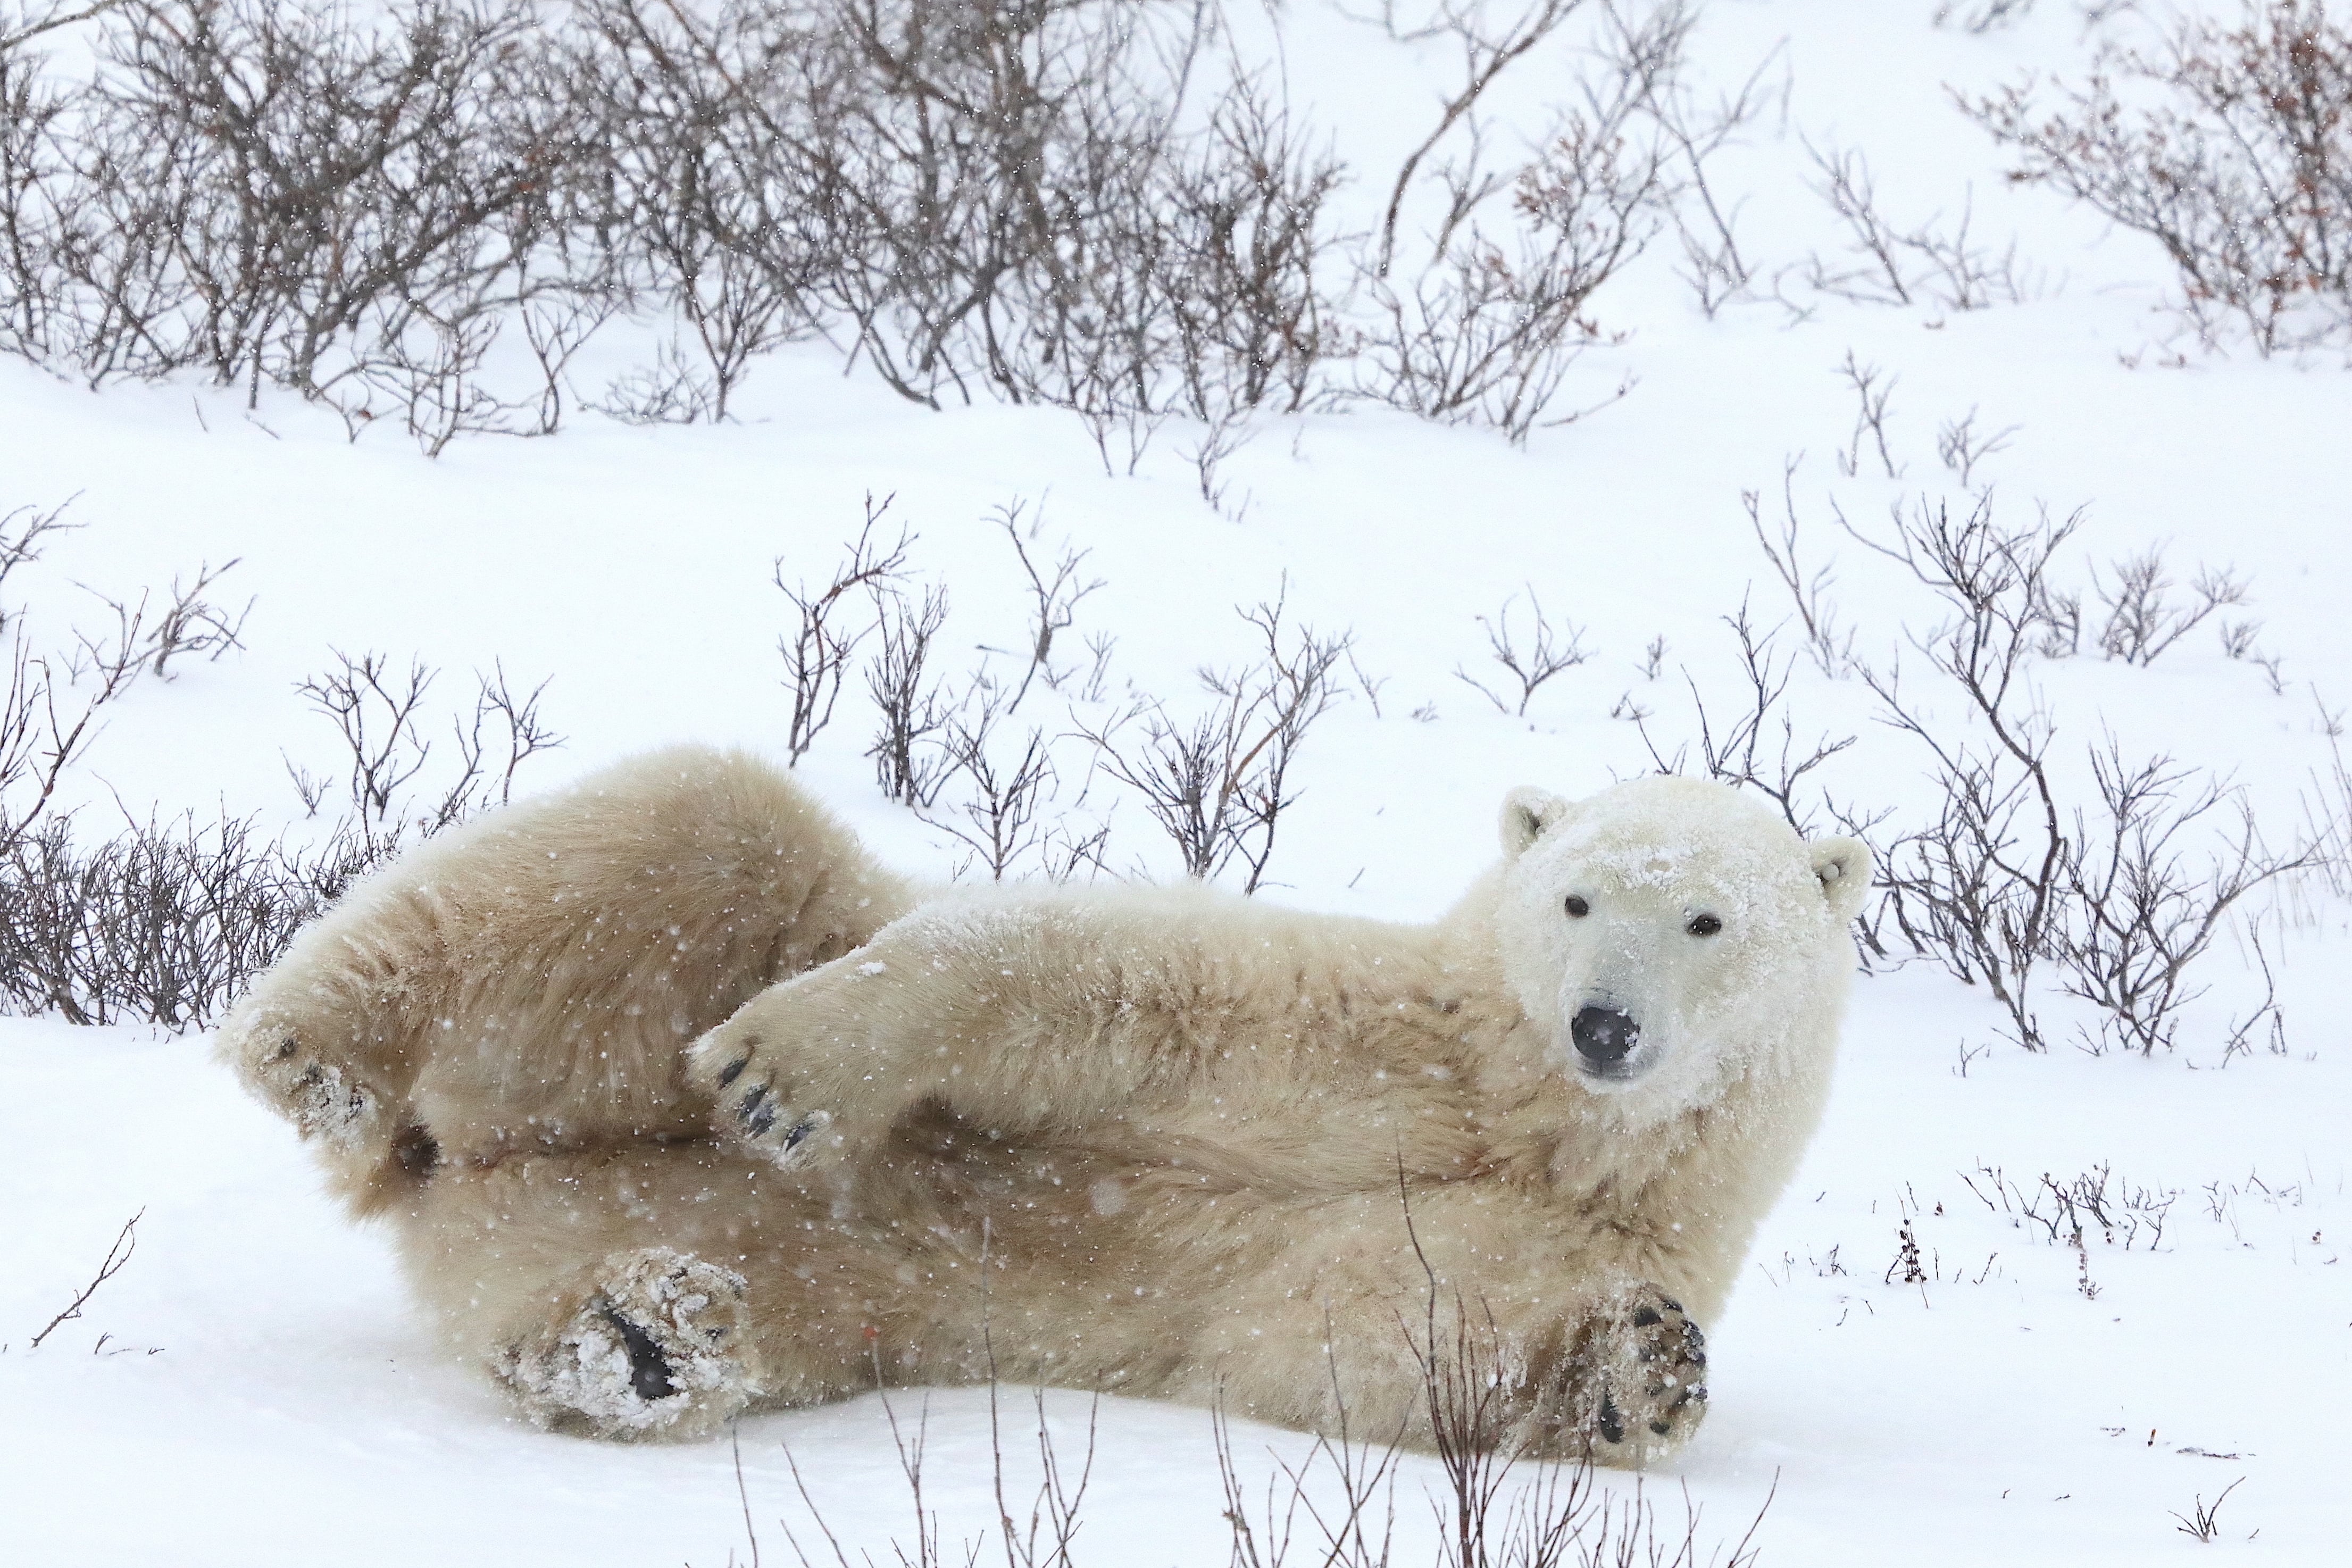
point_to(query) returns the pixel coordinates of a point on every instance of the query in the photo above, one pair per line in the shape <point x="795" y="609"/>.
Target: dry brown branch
<point x="1218" y="787"/>
<point x="1555" y="649"/>
<point x="2228" y="146"/>
<point x="816" y="656"/>
<point x="126" y="1242"/>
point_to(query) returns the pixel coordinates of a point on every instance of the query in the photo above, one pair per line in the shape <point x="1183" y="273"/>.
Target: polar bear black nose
<point x="1603" y="1035"/>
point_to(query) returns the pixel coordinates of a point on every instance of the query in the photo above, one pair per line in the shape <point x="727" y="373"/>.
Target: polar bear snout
<point x="1605" y="1039"/>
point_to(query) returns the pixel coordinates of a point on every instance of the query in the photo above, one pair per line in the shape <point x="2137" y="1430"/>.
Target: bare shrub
<point x="2229" y="147"/>
<point x="1554" y="648"/>
<point x="2141" y="911"/>
<point x="421" y="219"/>
<point x="1043" y="1540"/>
<point x="379" y="714"/>
<point x="1961" y="447"/>
<point x="1977" y="888"/>
<point x="160" y="921"/>
<point x="163" y="922"/>
<point x="910" y="708"/>
<point x="998" y="819"/>
<point x="1217" y="786"/>
<point x="1487" y="329"/>
<point x="707" y="202"/>
<point x="1714" y="266"/>
<point x="56" y="702"/>
<point x="2142" y="619"/>
<point x="2115" y="897"/>
<point x="1924" y="264"/>
<point x="1828" y="643"/>
<point x="275" y="193"/>
<point x="1054" y="597"/>
<point x="1251" y="305"/>
<point x="816" y="654"/>
<point x="2068" y="1211"/>
<point x="1743" y="753"/>
<point x="1873" y="389"/>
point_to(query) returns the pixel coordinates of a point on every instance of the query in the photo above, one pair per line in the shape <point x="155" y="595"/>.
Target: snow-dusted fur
<point x="1158" y="1141"/>
<point x="525" y="983"/>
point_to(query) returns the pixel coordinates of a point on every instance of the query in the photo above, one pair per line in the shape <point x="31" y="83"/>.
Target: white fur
<point x="1198" y="1147"/>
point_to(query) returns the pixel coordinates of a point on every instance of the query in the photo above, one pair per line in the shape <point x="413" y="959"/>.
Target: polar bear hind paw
<point x="651" y="1352"/>
<point x="324" y="1099"/>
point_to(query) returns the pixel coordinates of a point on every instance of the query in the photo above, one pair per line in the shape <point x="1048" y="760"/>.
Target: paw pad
<point x="646" y="1354"/>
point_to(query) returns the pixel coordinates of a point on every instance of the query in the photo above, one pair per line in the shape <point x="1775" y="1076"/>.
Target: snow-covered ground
<point x="252" y="1389"/>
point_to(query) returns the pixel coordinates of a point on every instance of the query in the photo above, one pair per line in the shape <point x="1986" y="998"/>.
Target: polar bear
<point x="680" y="1105"/>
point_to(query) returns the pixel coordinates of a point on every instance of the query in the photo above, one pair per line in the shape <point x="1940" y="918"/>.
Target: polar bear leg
<point x="655" y="1290"/>
<point x="653" y="1346"/>
<point x="528" y="980"/>
<point x="1336" y="1315"/>
<point x="1618" y="1379"/>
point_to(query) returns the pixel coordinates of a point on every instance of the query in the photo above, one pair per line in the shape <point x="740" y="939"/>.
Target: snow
<point x="252" y="1389"/>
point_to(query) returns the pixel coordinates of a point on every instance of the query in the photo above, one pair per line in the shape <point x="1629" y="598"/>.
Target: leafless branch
<point x="1555" y="649"/>
<point x="126" y="1242"/>
<point x="816" y="656"/>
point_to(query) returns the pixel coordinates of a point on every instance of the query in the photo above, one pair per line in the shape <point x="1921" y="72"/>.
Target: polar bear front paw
<point x="783" y="1070"/>
<point x="1653" y="1377"/>
<point x="655" y="1349"/>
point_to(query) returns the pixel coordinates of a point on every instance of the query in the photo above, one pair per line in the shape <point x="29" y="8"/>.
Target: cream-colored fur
<point x="1163" y="1142"/>
<point x="525" y="983"/>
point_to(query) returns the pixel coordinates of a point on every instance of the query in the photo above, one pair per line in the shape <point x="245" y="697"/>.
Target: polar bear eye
<point x="1577" y="908"/>
<point x="1704" y="925"/>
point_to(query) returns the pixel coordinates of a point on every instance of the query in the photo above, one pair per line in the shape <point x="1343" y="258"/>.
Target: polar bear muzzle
<point x="1605" y="1039"/>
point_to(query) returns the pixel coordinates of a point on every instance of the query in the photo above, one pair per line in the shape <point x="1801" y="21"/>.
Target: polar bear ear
<point x="1843" y="866"/>
<point x="1528" y="814"/>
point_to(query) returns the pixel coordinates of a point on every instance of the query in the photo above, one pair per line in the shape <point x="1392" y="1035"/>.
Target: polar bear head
<point x="1669" y="933"/>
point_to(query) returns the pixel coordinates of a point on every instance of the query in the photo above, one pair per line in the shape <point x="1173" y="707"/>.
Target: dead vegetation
<point x="108" y="917"/>
<point x="1492" y="1504"/>
<point x="2228" y="145"/>
<point x="2090" y="869"/>
<point x="420" y="218"/>
<point x="118" y="1258"/>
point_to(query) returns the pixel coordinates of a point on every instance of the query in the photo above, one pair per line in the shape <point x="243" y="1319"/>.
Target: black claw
<point x="800" y="1130"/>
<point x="729" y="1074"/>
<point x="1647" y="1317"/>
<point x="1613" y="1425"/>
<point x="286" y="1048"/>
<point x="1661" y="1427"/>
<point x="758" y="1112"/>
<point x="648" y="1368"/>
